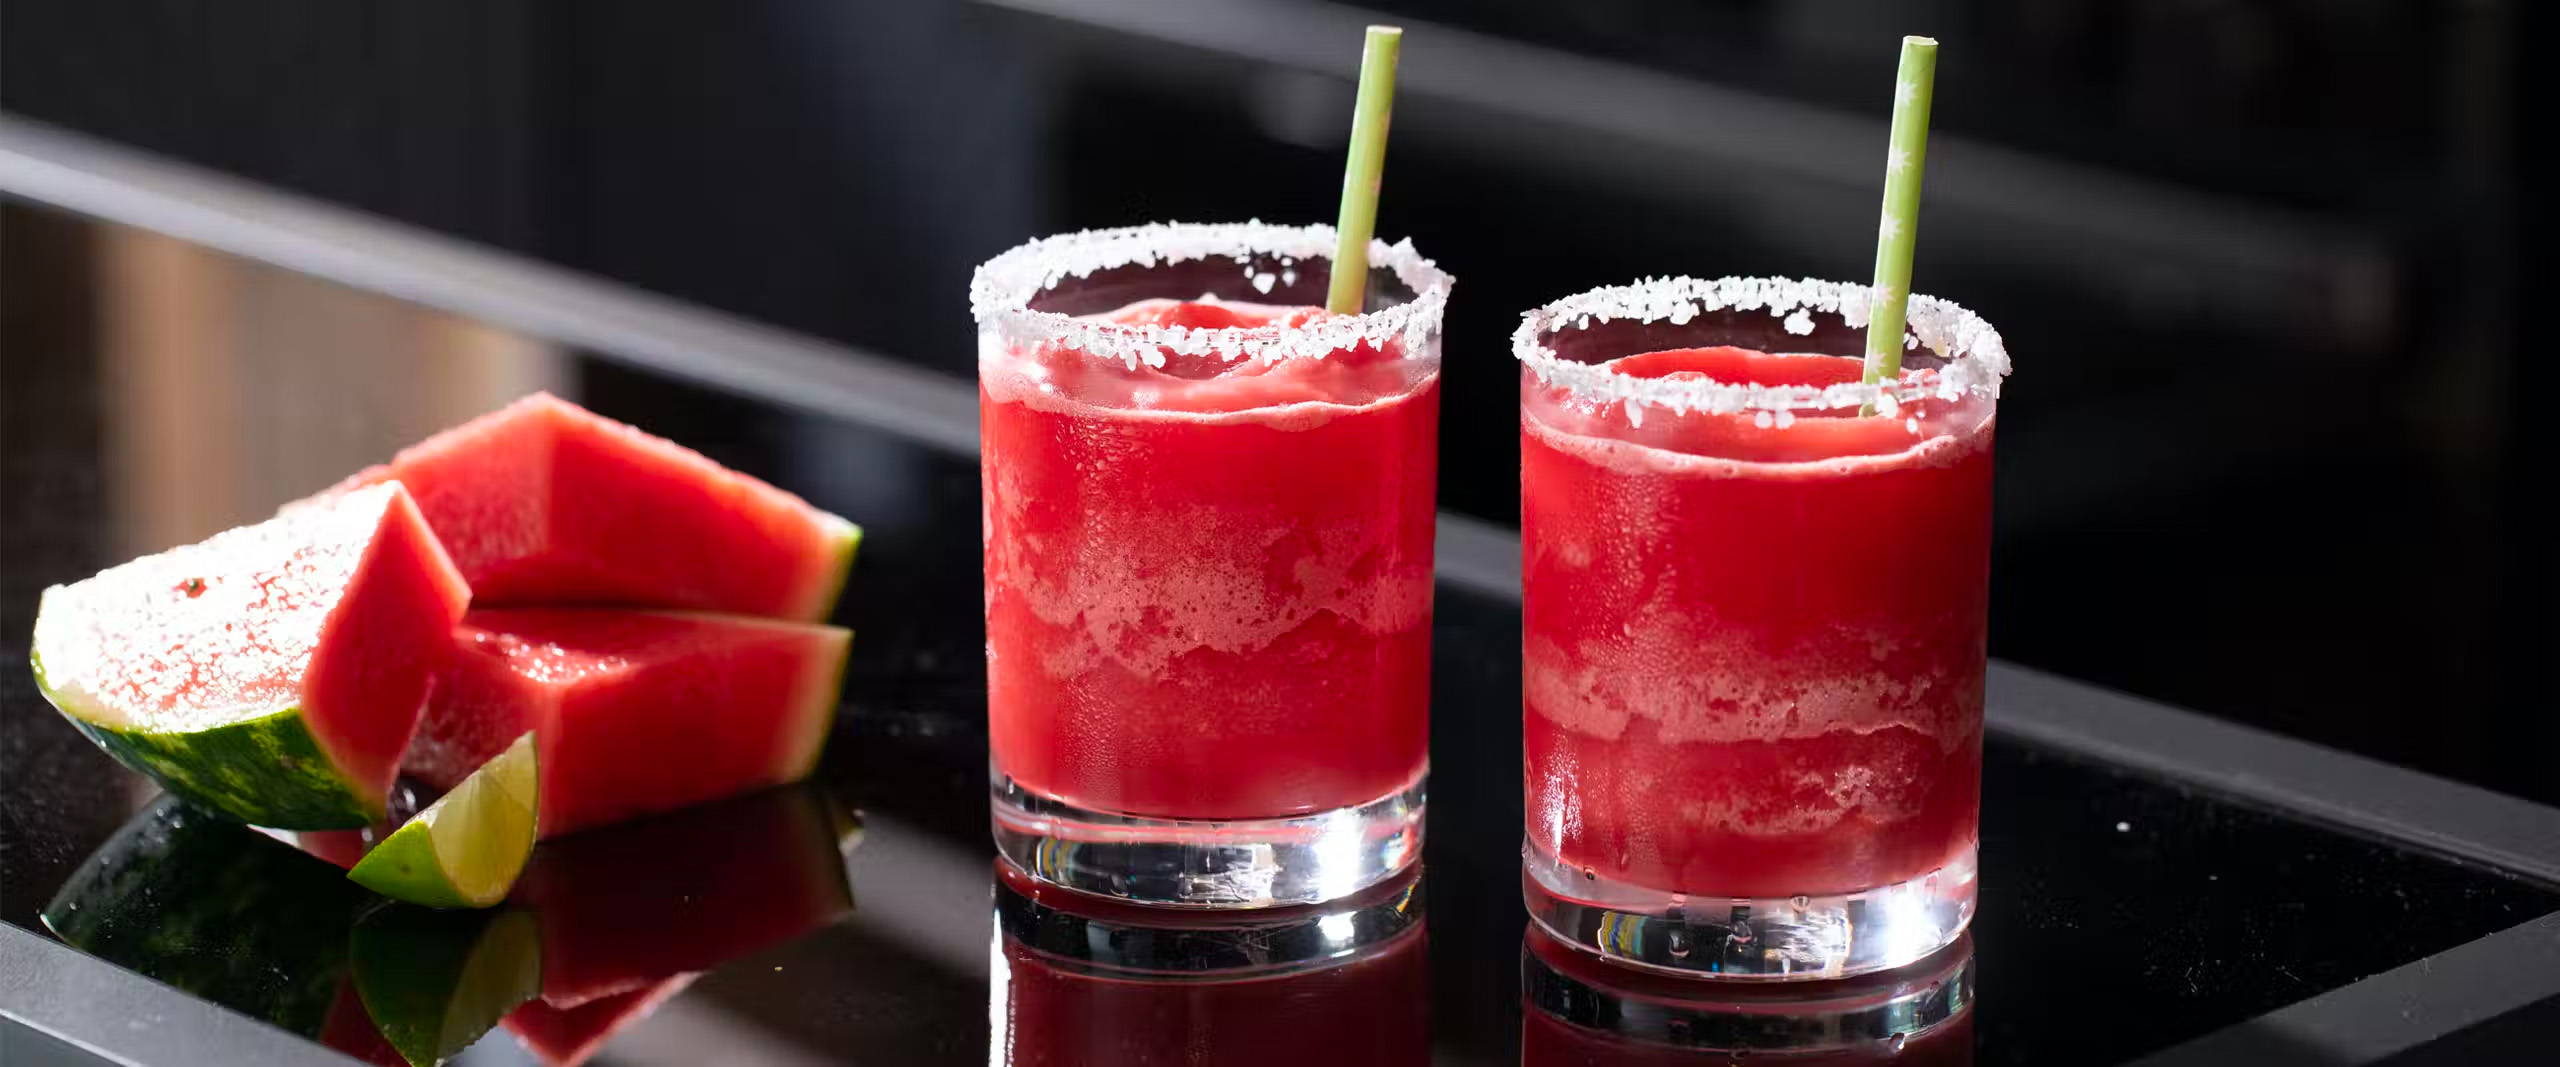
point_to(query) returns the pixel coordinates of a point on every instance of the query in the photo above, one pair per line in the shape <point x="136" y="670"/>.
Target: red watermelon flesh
<point x="627" y="906"/>
<point x="567" y="1037"/>
<point x="546" y="503"/>
<point x="273" y="672"/>
<point x="634" y="712"/>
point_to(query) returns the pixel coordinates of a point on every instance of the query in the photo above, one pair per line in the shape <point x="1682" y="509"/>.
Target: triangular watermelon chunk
<point x="634" y="712"/>
<point x="273" y="672"/>
<point x="543" y="502"/>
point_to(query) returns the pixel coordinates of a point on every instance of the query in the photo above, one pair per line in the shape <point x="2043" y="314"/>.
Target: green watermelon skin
<point x="538" y="503"/>
<point x="274" y="672"/>
<point x="236" y="769"/>
<point x="187" y="897"/>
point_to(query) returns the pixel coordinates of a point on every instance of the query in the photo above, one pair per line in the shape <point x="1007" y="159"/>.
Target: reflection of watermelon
<point x="566" y="1037"/>
<point x="626" y="906"/>
<point x="273" y="672"/>
<point x="204" y="904"/>
<point x="545" y="502"/>
<point x="635" y="712"/>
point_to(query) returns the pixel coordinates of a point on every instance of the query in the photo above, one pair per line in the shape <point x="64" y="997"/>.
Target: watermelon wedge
<point x="567" y="1037"/>
<point x="634" y="712"/>
<point x="628" y="906"/>
<point x="543" y="502"/>
<point x="273" y="672"/>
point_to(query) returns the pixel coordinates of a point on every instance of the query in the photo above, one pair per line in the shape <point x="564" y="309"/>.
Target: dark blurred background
<point x="2263" y="263"/>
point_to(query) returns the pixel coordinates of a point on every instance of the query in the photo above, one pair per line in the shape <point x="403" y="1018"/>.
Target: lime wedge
<point x="434" y="981"/>
<point x="465" y="850"/>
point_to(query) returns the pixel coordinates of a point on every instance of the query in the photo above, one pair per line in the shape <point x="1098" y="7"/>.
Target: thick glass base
<point x="1775" y="938"/>
<point x="1209" y="863"/>
<point x="1582" y="1010"/>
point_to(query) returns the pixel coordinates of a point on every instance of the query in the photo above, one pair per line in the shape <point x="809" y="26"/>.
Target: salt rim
<point x="1976" y="360"/>
<point x="1001" y="291"/>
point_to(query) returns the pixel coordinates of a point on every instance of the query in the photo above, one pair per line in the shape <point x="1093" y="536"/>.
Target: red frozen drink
<point x="1208" y="522"/>
<point x="1754" y="624"/>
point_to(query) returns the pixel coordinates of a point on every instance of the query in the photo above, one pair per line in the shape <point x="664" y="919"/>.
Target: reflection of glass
<point x="1077" y="981"/>
<point x="1578" y="1011"/>
<point x="1754" y="625"/>
<point x="1208" y="531"/>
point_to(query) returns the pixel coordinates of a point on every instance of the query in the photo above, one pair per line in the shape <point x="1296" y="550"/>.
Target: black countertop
<point x="2154" y="883"/>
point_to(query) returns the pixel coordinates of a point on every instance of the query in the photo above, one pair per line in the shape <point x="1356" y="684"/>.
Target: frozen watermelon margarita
<point x="1753" y="625"/>
<point x="1208" y="523"/>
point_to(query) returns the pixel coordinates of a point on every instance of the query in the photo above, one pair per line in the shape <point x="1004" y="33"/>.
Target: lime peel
<point x="465" y="850"/>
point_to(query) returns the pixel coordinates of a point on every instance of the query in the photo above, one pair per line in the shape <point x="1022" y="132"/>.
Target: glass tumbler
<point x="1753" y="625"/>
<point x="1208" y="515"/>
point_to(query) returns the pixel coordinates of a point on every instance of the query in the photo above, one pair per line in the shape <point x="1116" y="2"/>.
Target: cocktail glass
<point x="1208" y="525"/>
<point x="1753" y="625"/>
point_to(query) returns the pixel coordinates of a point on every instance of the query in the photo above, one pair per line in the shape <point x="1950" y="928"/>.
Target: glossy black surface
<point x="2120" y="914"/>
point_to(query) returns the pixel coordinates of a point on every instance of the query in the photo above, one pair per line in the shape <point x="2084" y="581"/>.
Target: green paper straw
<point x="1897" y="230"/>
<point x="1360" y="175"/>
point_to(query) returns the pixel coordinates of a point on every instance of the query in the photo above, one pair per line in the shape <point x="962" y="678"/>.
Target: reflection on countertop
<point x="1082" y="981"/>
<point x="1579" y="1011"/>
<point x="601" y="929"/>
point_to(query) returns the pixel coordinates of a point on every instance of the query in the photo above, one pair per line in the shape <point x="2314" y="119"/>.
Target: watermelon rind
<point x="831" y="591"/>
<point x="820" y="705"/>
<point x="265" y="769"/>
